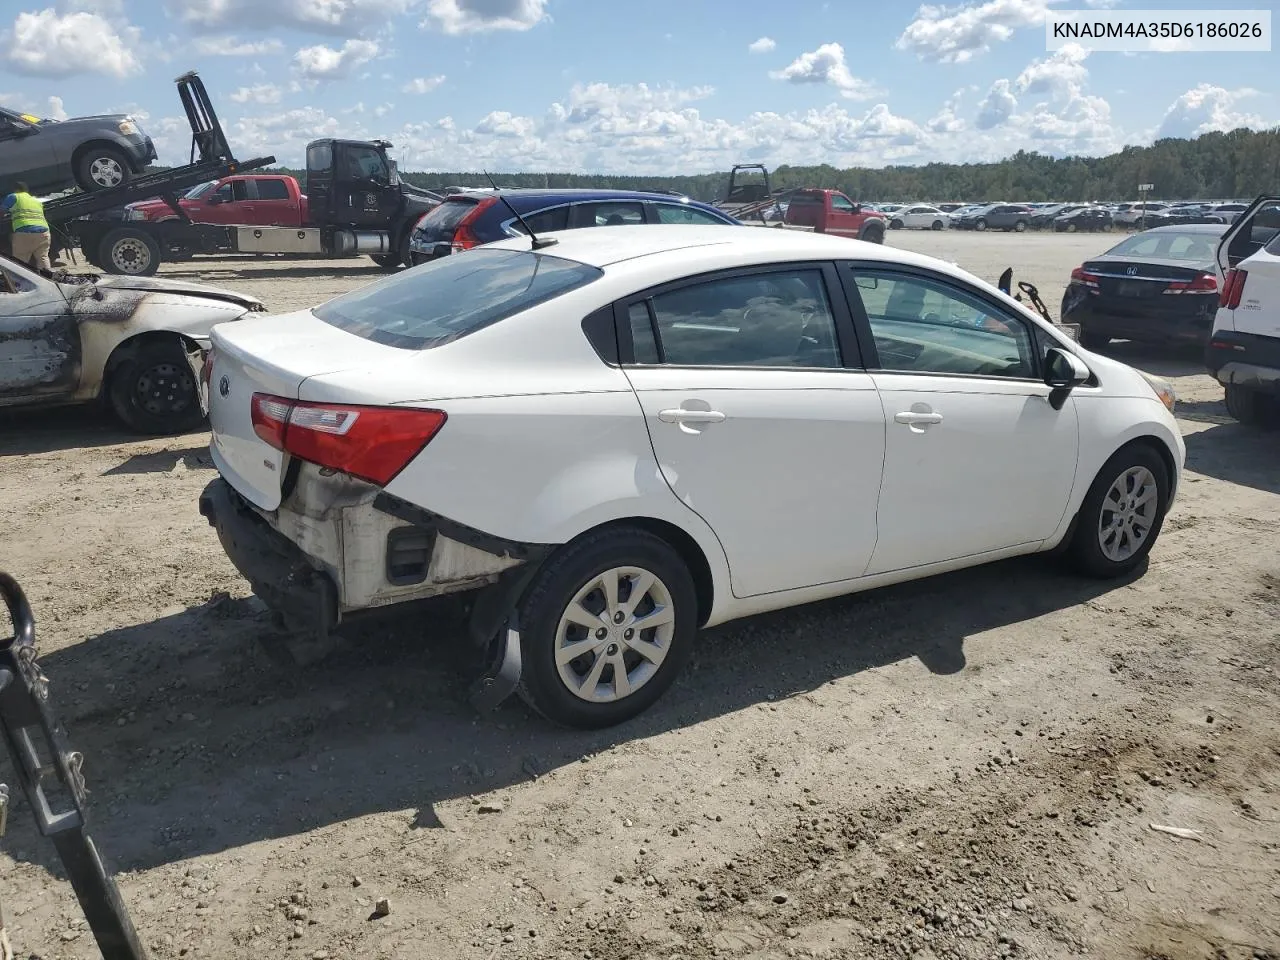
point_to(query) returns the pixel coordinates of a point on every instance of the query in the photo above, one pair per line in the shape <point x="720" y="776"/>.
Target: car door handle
<point x="912" y="417"/>
<point x="682" y="415"/>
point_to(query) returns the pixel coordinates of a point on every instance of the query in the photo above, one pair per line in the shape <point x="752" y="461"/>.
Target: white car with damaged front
<point x="627" y="434"/>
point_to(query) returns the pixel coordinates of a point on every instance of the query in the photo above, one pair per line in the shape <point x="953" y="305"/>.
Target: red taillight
<point x="464" y="238"/>
<point x="1080" y="275"/>
<point x="372" y="443"/>
<point x="1233" y="289"/>
<point x="206" y="368"/>
<point x="1205" y="283"/>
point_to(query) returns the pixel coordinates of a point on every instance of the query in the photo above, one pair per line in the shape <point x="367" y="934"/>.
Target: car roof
<point x="1210" y="228"/>
<point x="603" y="246"/>
<point x="569" y="193"/>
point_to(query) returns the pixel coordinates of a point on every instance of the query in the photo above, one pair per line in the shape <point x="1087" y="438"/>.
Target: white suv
<point x="1244" y="348"/>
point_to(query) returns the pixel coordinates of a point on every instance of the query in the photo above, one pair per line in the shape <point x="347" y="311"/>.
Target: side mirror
<point x="1063" y="372"/>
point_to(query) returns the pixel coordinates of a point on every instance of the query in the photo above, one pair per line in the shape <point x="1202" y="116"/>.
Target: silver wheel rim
<point x="1128" y="514"/>
<point x="130" y="255"/>
<point x="614" y="634"/>
<point x="106" y="172"/>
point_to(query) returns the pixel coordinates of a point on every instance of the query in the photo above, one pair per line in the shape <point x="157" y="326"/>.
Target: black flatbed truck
<point x="84" y="219"/>
<point x="357" y="204"/>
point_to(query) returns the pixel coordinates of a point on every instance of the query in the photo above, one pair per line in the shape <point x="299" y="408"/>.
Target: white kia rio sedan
<point x="625" y="434"/>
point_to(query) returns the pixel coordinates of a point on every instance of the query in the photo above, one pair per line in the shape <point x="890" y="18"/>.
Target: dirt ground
<point x="967" y="767"/>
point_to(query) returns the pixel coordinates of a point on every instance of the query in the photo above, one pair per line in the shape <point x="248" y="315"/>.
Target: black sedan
<point x="1184" y="215"/>
<point x="1085" y="218"/>
<point x="1159" y="286"/>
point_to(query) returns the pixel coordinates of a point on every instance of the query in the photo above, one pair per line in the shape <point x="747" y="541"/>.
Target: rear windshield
<point x="1187" y="246"/>
<point x="452" y="296"/>
<point x="440" y="223"/>
<point x="807" y="200"/>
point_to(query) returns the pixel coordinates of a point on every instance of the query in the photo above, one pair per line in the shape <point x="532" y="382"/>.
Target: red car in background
<point x="254" y="200"/>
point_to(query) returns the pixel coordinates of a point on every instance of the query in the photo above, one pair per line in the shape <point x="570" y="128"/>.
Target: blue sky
<point x="667" y="86"/>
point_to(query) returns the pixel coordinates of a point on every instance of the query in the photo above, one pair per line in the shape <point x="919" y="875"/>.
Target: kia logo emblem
<point x="1131" y="271"/>
<point x="224" y="387"/>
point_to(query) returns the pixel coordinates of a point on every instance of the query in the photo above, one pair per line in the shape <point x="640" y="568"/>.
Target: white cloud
<point x="225" y="45"/>
<point x="265" y="93"/>
<point x="1061" y="74"/>
<point x="763" y="45"/>
<point x="1204" y="108"/>
<point x="56" y="110"/>
<point x="957" y="34"/>
<point x="480" y="16"/>
<point x="947" y="119"/>
<point x="46" y="43"/>
<point x="422" y="84"/>
<point x="997" y="106"/>
<point x="826" y="65"/>
<point x="325" y="63"/>
<point x="342" y="17"/>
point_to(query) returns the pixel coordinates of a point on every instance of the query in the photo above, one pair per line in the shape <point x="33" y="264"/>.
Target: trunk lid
<point x="275" y="355"/>
<point x="1138" y="280"/>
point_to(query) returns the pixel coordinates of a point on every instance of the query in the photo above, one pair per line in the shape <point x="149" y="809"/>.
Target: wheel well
<point x="689" y="551"/>
<point x="1166" y="457"/>
<point x="126" y="348"/>
<point x="79" y="152"/>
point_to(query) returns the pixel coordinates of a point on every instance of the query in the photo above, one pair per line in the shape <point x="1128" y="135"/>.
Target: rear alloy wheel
<point x="980" y="225"/>
<point x="1020" y="226"/>
<point x="1121" y="516"/>
<point x="605" y="628"/>
<point x="895" y="224"/>
<point x="129" y="252"/>
<point x="152" y="389"/>
<point x="938" y="225"/>
<point x="1071" y="228"/>
<point x="1252" y="407"/>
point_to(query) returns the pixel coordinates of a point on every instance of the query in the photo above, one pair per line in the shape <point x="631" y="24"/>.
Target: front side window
<point x="776" y="319"/>
<point x="448" y="298"/>
<point x="366" y="163"/>
<point x="679" y="213"/>
<point x="841" y="204"/>
<point x="922" y="325"/>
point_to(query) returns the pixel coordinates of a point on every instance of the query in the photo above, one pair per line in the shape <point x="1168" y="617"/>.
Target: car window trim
<point x="578" y="213"/>
<point x="656" y="206"/>
<point x="847" y="341"/>
<point x="505" y="225"/>
<point x="866" y="339"/>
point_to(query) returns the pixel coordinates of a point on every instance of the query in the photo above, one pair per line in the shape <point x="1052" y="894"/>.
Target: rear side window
<point x="272" y="190"/>
<point x="544" y="221"/>
<point x="448" y="298"/>
<point x="776" y="319"/>
<point x="611" y="214"/>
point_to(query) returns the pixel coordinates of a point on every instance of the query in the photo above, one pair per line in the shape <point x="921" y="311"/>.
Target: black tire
<point x="1071" y="228"/>
<point x="895" y="224"/>
<point x="102" y="168"/>
<point x="1251" y="407"/>
<point x="387" y="261"/>
<point x="981" y="224"/>
<point x="1092" y="339"/>
<point x="129" y="252"/>
<point x="938" y="225"/>
<point x="572" y="569"/>
<point x="873" y="234"/>
<point x="1086" y="552"/>
<point x="151" y="388"/>
<point x="1105" y="228"/>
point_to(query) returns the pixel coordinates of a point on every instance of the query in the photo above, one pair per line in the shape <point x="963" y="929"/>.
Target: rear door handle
<point x="682" y="415"/>
<point x="912" y="417"/>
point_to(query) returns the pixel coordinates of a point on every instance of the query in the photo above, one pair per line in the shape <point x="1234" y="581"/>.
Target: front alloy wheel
<point x="1122" y="513"/>
<point x="605" y="627"/>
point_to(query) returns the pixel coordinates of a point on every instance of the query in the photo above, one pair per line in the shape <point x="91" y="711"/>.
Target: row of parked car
<point x="1062" y="217"/>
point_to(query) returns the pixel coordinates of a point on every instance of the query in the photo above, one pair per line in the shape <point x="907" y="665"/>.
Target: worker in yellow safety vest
<point x="30" y="228"/>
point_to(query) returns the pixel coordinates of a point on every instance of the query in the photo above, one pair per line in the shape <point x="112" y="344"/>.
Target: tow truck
<point x="51" y="776"/>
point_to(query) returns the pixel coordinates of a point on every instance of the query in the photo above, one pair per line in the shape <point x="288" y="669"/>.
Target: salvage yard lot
<point x="968" y="766"/>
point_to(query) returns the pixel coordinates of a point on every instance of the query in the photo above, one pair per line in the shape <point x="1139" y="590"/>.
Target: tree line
<point x="1241" y="163"/>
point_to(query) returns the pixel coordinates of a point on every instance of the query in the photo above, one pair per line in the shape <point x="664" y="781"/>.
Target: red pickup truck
<point x="830" y="211"/>
<point x="253" y="200"/>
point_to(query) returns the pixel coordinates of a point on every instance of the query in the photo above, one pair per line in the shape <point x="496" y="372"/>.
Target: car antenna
<point x="538" y="242"/>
